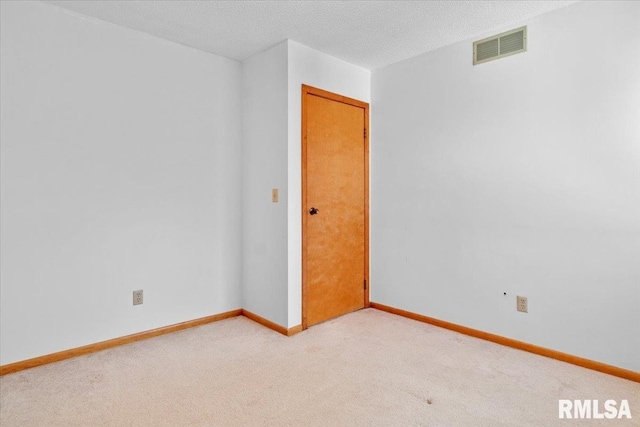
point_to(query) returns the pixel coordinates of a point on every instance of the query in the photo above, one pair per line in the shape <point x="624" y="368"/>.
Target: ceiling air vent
<point x="500" y="45"/>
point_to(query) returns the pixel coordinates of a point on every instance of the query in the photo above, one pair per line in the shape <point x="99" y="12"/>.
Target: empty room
<point x="319" y="213"/>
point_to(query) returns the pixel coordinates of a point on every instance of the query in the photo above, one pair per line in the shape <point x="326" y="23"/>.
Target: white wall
<point x="310" y="67"/>
<point x="272" y="241"/>
<point x="120" y="170"/>
<point x="123" y="168"/>
<point x="519" y="176"/>
<point x="264" y="223"/>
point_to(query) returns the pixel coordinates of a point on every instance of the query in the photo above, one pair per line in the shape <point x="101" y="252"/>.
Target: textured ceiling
<point x="371" y="34"/>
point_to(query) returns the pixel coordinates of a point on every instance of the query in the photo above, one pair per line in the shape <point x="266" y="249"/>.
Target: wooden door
<point x="335" y="205"/>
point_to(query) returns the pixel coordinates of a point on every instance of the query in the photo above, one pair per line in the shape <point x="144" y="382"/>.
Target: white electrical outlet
<point x="522" y="304"/>
<point x="137" y="297"/>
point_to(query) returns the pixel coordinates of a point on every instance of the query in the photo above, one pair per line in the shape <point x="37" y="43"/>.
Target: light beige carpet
<point x="367" y="368"/>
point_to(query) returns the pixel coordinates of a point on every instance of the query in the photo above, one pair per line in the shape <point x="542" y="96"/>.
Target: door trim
<point x="309" y="90"/>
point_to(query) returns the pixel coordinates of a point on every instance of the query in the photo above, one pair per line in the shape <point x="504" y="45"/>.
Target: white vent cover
<point x="500" y="45"/>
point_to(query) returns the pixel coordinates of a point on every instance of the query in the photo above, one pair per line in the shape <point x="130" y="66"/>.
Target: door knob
<point x="314" y="211"/>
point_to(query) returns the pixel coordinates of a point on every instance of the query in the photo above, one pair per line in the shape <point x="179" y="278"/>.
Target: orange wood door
<point x="335" y="205"/>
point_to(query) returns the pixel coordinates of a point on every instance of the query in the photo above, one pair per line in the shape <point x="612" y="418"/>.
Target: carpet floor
<point x="368" y="368"/>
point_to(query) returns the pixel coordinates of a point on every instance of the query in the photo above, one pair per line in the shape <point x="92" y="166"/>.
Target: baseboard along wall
<point x="269" y="324"/>
<point x="91" y="348"/>
<point x="542" y="351"/>
<point x="103" y="345"/>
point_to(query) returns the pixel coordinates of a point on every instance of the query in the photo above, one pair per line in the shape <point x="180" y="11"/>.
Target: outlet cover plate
<point x="137" y="297"/>
<point x="522" y="304"/>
